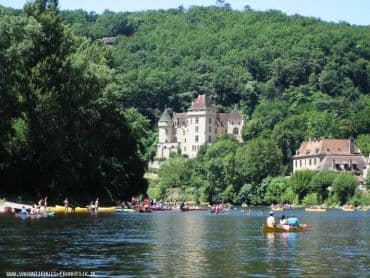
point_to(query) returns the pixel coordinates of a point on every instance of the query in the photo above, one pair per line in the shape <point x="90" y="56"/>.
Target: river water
<point x="187" y="244"/>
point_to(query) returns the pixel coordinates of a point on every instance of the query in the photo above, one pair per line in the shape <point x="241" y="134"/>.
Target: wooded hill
<point x="293" y="77"/>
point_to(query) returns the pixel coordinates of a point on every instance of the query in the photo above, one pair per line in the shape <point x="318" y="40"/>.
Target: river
<point x="187" y="244"/>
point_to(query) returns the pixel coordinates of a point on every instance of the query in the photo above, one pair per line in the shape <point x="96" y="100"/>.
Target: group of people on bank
<point x="93" y="206"/>
<point x="290" y="221"/>
<point x="36" y="209"/>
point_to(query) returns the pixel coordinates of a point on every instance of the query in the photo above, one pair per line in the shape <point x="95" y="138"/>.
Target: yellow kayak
<point x="59" y="209"/>
<point x="348" y="209"/>
<point x="278" y="209"/>
<point x="285" y="229"/>
<point x="81" y="210"/>
<point x="315" y="209"/>
<point x="107" y="209"/>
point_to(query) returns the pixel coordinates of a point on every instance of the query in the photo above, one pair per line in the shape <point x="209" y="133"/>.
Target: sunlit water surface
<point x="191" y="244"/>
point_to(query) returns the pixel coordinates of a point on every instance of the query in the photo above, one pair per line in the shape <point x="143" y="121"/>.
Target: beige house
<point x="339" y="155"/>
<point x="186" y="132"/>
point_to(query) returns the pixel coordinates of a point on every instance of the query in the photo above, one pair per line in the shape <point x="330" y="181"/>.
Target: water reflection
<point x="187" y="244"/>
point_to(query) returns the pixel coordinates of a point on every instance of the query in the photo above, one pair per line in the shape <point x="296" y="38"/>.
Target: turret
<point x="165" y="127"/>
<point x="235" y="124"/>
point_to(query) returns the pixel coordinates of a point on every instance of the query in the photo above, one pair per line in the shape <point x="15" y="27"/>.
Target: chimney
<point x="350" y="145"/>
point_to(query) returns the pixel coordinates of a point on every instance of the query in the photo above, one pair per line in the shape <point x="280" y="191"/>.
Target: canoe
<point x="159" y="209"/>
<point x="126" y="210"/>
<point x="315" y="209"/>
<point x="348" y="209"/>
<point x="106" y="209"/>
<point x="81" y="210"/>
<point x="289" y="229"/>
<point x="277" y="209"/>
<point x="100" y="210"/>
<point x="59" y="209"/>
<point x="193" y="209"/>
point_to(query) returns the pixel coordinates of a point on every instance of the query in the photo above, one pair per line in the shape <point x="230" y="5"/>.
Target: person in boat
<point x="96" y="204"/>
<point x="182" y="205"/>
<point x="40" y="203"/>
<point x="33" y="210"/>
<point x="45" y="202"/>
<point x="66" y="203"/>
<point x="283" y="220"/>
<point x="270" y="221"/>
<point x="293" y="221"/>
<point x="24" y="210"/>
<point x="92" y="207"/>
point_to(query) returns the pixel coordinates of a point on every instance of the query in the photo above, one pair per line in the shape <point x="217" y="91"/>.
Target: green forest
<point x="79" y="117"/>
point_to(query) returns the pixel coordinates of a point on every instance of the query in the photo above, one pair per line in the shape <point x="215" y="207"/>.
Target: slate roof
<point x="200" y="103"/>
<point x="165" y="116"/>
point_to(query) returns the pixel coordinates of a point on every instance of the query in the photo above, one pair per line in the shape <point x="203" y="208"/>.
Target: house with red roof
<point x="339" y="155"/>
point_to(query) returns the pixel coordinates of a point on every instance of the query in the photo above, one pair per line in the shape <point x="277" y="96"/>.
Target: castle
<point x="186" y="132"/>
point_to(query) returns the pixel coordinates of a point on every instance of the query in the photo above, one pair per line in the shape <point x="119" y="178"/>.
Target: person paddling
<point x="24" y="211"/>
<point x="66" y="203"/>
<point x="45" y="202"/>
<point x="96" y="204"/>
<point x="270" y="221"/>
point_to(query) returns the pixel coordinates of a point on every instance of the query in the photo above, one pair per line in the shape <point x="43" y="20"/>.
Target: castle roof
<point x="235" y="116"/>
<point x="222" y="119"/>
<point x="165" y="116"/>
<point x="327" y="147"/>
<point x="200" y="103"/>
<point x="181" y="118"/>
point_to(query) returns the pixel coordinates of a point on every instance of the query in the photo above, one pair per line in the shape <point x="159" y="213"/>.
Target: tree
<point x="174" y="173"/>
<point x="258" y="159"/>
<point x="300" y="183"/>
<point x="363" y="143"/>
<point x="275" y="193"/>
<point x="344" y="186"/>
<point x="75" y="140"/>
<point x="320" y="184"/>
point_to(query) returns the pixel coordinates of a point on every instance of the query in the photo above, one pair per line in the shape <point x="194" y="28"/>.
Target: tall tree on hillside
<point x="78" y="141"/>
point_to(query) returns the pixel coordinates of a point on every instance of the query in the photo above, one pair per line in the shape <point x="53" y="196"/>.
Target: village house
<point x="339" y="155"/>
<point x="186" y="132"/>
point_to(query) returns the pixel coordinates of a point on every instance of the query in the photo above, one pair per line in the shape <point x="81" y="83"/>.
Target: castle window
<point x="166" y="130"/>
<point x="210" y="120"/>
<point x="300" y="163"/>
<point x="184" y="149"/>
<point x="197" y="120"/>
<point x="210" y="129"/>
<point x="310" y="162"/>
<point x="183" y="132"/>
<point x="196" y="138"/>
<point x="209" y="139"/>
<point x="235" y="131"/>
<point x="196" y="129"/>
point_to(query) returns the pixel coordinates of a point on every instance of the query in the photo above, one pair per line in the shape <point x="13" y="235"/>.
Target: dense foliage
<point x="293" y="77"/>
<point x="63" y="131"/>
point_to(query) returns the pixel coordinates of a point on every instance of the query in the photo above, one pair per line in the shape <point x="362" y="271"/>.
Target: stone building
<point x="186" y="132"/>
<point x="339" y="155"/>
